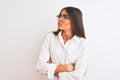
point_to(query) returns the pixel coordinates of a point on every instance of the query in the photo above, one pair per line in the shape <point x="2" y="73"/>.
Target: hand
<point x="49" y="61"/>
<point x="70" y="67"/>
<point x="64" y="68"/>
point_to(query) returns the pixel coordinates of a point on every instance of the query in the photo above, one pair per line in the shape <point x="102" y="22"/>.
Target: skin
<point x="65" y="26"/>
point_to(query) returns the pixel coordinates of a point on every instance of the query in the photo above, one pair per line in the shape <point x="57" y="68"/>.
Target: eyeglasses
<point x="63" y="16"/>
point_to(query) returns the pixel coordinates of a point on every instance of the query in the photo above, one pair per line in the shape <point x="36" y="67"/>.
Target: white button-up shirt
<point x="74" y="51"/>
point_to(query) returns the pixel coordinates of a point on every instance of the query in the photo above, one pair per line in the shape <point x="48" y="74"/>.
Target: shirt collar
<point x="75" y="38"/>
<point x="60" y="34"/>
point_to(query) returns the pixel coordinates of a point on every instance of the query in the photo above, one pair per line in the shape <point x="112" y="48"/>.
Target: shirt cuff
<point x="51" y="71"/>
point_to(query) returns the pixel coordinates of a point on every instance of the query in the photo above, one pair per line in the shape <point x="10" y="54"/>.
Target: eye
<point x="66" y="16"/>
<point x="63" y="16"/>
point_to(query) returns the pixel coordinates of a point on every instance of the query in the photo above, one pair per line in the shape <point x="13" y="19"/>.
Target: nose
<point x="60" y="18"/>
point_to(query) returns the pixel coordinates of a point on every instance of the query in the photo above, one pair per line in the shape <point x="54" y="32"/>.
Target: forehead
<point x="63" y="12"/>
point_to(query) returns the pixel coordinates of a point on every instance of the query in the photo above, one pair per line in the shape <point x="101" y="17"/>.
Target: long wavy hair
<point x="75" y="15"/>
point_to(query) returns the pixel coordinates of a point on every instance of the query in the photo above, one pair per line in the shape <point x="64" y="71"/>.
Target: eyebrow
<point x="64" y="14"/>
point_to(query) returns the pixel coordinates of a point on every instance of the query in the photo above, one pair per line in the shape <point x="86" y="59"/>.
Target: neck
<point x="67" y="35"/>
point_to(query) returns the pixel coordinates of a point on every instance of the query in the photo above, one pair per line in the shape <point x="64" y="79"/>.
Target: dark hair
<point x="75" y="15"/>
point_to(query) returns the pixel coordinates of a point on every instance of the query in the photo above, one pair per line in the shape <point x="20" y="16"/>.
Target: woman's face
<point x="64" y="22"/>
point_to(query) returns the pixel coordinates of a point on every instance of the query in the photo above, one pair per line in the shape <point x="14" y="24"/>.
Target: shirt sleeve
<point x="80" y="65"/>
<point x="42" y="66"/>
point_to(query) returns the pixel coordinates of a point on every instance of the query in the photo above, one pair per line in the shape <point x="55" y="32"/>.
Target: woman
<point x="64" y="53"/>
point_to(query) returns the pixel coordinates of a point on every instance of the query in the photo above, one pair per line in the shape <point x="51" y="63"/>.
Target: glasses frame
<point x="65" y="17"/>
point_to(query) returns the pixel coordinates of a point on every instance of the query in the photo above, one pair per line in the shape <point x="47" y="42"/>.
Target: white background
<point x="24" y="23"/>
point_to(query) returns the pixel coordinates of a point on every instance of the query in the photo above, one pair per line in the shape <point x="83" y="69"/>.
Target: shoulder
<point x="80" y="39"/>
<point x="83" y="42"/>
<point x="49" y="36"/>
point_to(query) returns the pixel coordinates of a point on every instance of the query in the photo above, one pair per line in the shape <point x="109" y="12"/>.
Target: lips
<point x="59" y="23"/>
<point x="60" y="26"/>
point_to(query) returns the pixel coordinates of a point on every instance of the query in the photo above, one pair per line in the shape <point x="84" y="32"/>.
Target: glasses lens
<point x="58" y="16"/>
<point x="63" y="16"/>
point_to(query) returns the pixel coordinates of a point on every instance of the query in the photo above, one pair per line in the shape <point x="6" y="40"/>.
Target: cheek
<point x="68" y="25"/>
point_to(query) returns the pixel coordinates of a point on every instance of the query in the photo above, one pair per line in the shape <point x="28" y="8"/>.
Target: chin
<point x="60" y="28"/>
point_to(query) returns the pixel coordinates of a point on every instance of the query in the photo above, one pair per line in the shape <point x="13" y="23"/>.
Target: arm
<point x="42" y="66"/>
<point x="63" y="68"/>
<point x="80" y="65"/>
